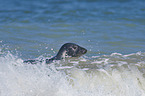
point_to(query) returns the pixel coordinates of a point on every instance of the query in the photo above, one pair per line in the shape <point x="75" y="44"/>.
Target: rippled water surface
<point x="113" y="32"/>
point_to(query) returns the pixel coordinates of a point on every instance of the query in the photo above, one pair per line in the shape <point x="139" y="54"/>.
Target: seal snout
<point x="84" y="51"/>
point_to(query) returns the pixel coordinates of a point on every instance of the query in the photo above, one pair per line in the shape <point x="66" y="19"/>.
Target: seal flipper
<point x="48" y="61"/>
<point x="32" y="61"/>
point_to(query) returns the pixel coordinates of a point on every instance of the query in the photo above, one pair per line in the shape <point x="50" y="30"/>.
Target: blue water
<point x="113" y="32"/>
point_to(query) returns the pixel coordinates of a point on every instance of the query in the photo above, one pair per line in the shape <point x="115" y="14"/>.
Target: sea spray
<point x="109" y="79"/>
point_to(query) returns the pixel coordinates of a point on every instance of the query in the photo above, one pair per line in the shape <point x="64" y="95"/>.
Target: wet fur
<point x="67" y="50"/>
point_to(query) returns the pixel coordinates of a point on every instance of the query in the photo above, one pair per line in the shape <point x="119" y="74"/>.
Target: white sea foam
<point x="19" y="79"/>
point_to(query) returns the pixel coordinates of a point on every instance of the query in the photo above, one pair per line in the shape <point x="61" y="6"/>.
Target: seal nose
<point x="84" y="51"/>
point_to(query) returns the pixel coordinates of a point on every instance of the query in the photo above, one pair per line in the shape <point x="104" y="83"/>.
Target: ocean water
<point x="113" y="32"/>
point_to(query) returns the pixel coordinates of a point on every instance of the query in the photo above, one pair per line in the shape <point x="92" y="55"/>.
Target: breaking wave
<point x="106" y="75"/>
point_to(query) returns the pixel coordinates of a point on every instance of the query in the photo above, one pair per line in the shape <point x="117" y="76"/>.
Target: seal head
<point x="70" y="50"/>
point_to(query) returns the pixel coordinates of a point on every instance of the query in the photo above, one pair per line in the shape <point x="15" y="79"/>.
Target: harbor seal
<point x="67" y="50"/>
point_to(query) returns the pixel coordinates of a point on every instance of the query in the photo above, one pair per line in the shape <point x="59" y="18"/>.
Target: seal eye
<point x="75" y="47"/>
